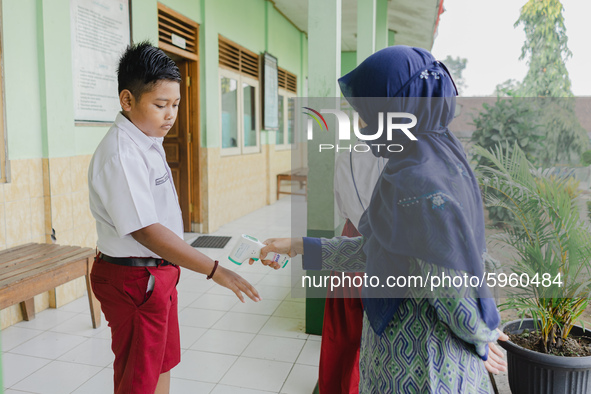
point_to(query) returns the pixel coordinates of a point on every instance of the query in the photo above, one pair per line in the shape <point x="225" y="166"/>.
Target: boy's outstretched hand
<point x="288" y="246"/>
<point x="236" y="283"/>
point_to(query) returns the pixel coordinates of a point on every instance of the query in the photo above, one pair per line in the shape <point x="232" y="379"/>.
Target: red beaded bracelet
<point x="215" y="266"/>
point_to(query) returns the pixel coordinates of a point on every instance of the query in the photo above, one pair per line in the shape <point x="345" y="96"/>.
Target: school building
<point x="224" y="160"/>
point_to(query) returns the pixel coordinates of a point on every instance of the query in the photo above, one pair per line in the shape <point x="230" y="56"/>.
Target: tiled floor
<point x="228" y="347"/>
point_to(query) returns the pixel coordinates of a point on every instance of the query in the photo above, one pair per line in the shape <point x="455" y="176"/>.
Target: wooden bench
<point x="32" y="269"/>
<point x="298" y="175"/>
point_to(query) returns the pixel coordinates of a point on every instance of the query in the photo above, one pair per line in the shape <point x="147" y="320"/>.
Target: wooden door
<point x="178" y="147"/>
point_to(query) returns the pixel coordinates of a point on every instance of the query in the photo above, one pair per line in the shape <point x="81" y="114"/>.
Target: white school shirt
<point x="130" y="187"/>
<point x="353" y="185"/>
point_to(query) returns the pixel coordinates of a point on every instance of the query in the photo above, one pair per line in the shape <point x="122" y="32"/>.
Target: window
<point x="239" y="96"/>
<point x="284" y="137"/>
<point x="239" y="99"/>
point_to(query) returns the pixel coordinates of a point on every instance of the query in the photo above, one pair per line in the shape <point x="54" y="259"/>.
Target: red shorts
<point x="144" y="327"/>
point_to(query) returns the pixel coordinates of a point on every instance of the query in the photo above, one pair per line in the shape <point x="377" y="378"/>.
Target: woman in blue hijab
<point x="425" y="218"/>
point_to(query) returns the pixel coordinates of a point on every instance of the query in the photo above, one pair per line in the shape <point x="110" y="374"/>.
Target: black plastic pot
<point x="538" y="373"/>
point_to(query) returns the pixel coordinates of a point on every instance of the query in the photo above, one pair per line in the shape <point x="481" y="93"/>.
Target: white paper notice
<point x="100" y="34"/>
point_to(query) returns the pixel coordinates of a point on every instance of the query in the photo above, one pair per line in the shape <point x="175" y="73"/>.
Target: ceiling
<point x="412" y="20"/>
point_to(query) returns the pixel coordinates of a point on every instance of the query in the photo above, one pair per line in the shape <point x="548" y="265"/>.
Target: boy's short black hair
<point x="142" y="66"/>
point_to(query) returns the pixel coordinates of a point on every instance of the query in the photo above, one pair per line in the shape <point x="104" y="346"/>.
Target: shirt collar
<point x="143" y="141"/>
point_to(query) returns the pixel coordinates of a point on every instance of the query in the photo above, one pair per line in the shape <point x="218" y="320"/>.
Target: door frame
<point x="194" y="115"/>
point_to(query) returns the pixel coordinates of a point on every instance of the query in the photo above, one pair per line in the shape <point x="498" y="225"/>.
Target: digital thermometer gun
<point x="249" y="247"/>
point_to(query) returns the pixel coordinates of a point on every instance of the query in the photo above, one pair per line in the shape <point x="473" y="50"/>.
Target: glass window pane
<point x="279" y="134"/>
<point x="290" y="120"/>
<point x="250" y="131"/>
<point x="229" y="92"/>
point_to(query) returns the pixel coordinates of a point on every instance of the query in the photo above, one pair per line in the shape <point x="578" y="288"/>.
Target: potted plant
<point x="552" y="248"/>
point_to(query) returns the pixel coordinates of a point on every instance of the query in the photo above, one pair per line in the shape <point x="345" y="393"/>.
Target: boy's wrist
<point x="215" y="267"/>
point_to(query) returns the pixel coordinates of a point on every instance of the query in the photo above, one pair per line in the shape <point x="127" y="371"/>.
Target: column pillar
<point x="324" y="66"/>
<point x="366" y="29"/>
<point x="381" y="24"/>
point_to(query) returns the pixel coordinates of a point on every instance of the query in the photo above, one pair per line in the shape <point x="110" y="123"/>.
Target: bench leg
<point x="95" y="305"/>
<point x="28" y="308"/>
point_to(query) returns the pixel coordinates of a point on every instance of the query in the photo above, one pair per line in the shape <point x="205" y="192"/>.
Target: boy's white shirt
<point x="351" y="186"/>
<point x="130" y="187"/>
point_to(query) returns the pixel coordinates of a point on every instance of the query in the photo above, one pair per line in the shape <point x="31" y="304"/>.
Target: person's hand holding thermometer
<point x="284" y="246"/>
<point x="250" y="248"/>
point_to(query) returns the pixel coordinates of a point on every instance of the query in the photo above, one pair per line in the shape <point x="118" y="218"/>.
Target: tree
<point x="546" y="49"/>
<point x="456" y="66"/>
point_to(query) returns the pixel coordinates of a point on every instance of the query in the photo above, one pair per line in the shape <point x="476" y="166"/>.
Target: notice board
<point x="270" y="96"/>
<point x="101" y="31"/>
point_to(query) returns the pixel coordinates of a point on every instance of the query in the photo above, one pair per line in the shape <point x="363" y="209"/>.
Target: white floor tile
<point x="203" y="366"/>
<point x="313" y="337"/>
<point x="49" y="345"/>
<point x="195" y="317"/>
<point x="80" y="324"/>
<point x="291" y="309"/>
<point x="225" y="342"/>
<point x="276" y="280"/>
<point x="57" y="377"/>
<point x="252" y="277"/>
<point x="223" y="389"/>
<point x="301" y="380"/>
<point x="186" y="298"/>
<point x="272" y="292"/>
<point x="258" y="374"/>
<point x="47" y="319"/>
<point x="17" y="367"/>
<point x="104" y="334"/>
<point x="94" y="351"/>
<point x="195" y="285"/>
<point x="285" y="327"/>
<point x="100" y="383"/>
<point x="310" y="354"/>
<point x="187" y="274"/>
<point x="274" y="348"/>
<point x="241" y="322"/>
<point x="215" y="302"/>
<point x="190" y="335"/>
<point x="184" y="386"/>
<point x="264" y="307"/>
<point x="14" y="336"/>
<point x="79" y="305"/>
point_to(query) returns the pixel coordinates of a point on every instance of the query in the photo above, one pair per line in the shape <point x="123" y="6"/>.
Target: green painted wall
<point x="246" y="25"/>
<point x="190" y="9"/>
<point x="38" y="65"/>
<point x="284" y="42"/>
<point x="391" y="37"/>
<point x="21" y="79"/>
<point x="144" y="20"/>
<point x="1" y="374"/>
<point x="348" y="61"/>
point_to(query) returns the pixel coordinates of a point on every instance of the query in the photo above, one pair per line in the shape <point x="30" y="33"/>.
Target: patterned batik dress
<point x="435" y="343"/>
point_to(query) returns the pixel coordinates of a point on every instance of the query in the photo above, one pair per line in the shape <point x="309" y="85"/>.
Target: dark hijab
<point x="427" y="203"/>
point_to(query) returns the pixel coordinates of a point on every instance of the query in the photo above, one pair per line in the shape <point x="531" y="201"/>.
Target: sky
<point x="482" y="32"/>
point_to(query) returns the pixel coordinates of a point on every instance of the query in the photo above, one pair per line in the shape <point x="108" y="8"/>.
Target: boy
<point x="140" y="230"/>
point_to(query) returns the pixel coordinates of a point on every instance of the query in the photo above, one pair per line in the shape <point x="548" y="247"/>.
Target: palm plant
<point x="552" y="244"/>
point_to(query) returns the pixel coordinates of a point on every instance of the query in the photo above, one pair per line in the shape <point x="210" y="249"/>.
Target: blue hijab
<point x="427" y="203"/>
